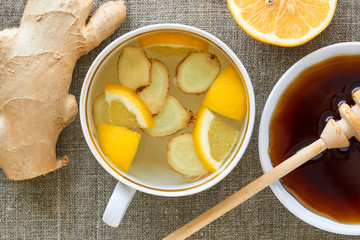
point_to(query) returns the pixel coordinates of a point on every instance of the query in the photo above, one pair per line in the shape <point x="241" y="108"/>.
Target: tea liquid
<point x="329" y="184"/>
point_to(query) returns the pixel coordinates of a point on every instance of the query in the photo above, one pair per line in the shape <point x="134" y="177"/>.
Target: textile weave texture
<point x="68" y="203"/>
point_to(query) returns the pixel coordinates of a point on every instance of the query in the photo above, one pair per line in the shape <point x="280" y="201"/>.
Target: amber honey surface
<point x="328" y="184"/>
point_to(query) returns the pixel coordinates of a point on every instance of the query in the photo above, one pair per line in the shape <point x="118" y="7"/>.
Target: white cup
<point x="164" y="182"/>
<point x="285" y="197"/>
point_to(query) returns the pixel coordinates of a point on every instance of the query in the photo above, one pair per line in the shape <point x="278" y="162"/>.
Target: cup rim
<point x="185" y="189"/>
<point x="293" y="205"/>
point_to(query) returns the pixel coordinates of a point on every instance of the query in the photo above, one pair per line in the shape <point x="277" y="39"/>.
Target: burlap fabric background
<point x="68" y="203"/>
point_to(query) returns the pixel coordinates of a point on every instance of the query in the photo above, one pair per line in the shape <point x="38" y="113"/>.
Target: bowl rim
<point x="293" y="205"/>
<point x="187" y="189"/>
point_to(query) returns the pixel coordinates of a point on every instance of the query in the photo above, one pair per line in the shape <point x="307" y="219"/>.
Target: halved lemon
<point x="118" y="144"/>
<point x="170" y="43"/>
<point x="213" y="139"/>
<point x="227" y="96"/>
<point x="283" y="22"/>
<point x="126" y="109"/>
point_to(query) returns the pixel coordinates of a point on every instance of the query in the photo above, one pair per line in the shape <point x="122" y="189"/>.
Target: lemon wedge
<point x="118" y="144"/>
<point x="171" y="43"/>
<point x="213" y="139"/>
<point x="227" y="96"/>
<point x="126" y="109"/>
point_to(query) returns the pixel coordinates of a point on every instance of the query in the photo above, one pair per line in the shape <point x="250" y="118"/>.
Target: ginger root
<point x="36" y="65"/>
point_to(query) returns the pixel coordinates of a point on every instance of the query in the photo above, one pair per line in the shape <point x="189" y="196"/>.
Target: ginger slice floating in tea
<point x="154" y="95"/>
<point x="172" y="118"/>
<point x="182" y="157"/>
<point x="134" y="68"/>
<point x="197" y="71"/>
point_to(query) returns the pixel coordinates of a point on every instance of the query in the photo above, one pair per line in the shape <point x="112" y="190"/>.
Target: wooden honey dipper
<point x="334" y="135"/>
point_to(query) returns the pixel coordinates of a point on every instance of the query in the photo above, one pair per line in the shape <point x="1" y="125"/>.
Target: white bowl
<point x="285" y="197"/>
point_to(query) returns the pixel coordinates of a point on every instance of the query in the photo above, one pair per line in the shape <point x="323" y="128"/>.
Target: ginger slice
<point x="101" y="110"/>
<point x="172" y="118"/>
<point x="182" y="157"/>
<point x="134" y="68"/>
<point x="197" y="71"/>
<point x="155" y="95"/>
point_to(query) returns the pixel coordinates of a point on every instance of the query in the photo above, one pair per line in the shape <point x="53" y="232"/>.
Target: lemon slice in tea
<point x="126" y="109"/>
<point x="118" y="144"/>
<point x="213" y="139"/>
<point x="227" y="96"/>
<point x="171" y="43"/>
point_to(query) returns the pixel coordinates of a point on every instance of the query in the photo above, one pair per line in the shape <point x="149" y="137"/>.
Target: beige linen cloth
<point x="68" y="203"/>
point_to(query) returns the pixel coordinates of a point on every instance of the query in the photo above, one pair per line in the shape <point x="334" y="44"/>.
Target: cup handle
<point x="118" y="204"/>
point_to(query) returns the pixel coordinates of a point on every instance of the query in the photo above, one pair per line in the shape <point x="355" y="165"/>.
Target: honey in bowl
<point x="329" y="184"/>
<point x="151" y="156"/>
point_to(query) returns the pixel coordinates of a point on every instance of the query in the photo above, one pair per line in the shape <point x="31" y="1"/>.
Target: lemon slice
<point x="283" y="22"/>
<point x="227" y="96"/>
<point x="171" y="43"/>
<point x="118" y="144"/>
<point x="126" y="109"/>
<point x="213" y="139"/>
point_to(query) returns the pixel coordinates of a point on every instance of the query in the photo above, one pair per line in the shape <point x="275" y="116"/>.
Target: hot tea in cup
<point x="187" y="110"/>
